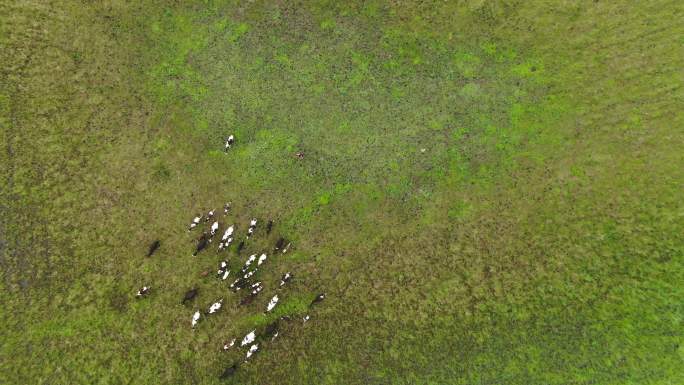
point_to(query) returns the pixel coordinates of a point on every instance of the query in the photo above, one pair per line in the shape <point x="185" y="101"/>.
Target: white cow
<point x="249" y="261"/>
<point x="272" y="303"/>
<point x="228" y="344"/>
<point x="195" y="318"/>
<point x="215" y="307"/>
<point x="249" y="338"/>
<point x="210" y="215"/>
<point x="252" y="349"/>
<point x="228" y="232"/>
<point x="195" y="222"/>
<point x="262" y="259"/>
<point x="226" y="238"/>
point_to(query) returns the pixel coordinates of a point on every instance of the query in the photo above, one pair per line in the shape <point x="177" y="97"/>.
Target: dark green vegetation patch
<point x="491" y="192"/>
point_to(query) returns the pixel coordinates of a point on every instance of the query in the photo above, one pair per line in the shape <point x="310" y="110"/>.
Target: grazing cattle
<point x="247" y="300"/>
<point x="226" y="238"/>
<point x="228" y="344"/>
<point x="228" y="372"/>
<point x="240" y="246"/>
<point x="226" y="208"/>
<point x="285" y="278"/>
<point x="225" y="244"/>
<point x="214" y="229"/>
<point x="252" y="349"/>
<point x="232" y="285"/>
<point x="286" y="248"/>
<point x="239" y="283"/>
<point x="195" y="222"/>
<point x="201" y="244"/>
<point x="318" y="299"/>
<point x="249" y="261"/>
<point x="252" y="227"/>
<point x="306" y="318"/>
<point x="269" y="226"/>
<point x="271" y="330"/>
<point x="272" y="303"/>
<point x="279" y="244"/>
<point x="153" y="247"/>
<point x="249" y="338"/>
<point x="256" y="288"/>
<point x="143" y="291"/>
<point x="215" y="306"/>
<point x="189" y="295"/>
<point x="223" y="271"/>
<point x="195" y="318"/>
<point x="228" y="232"/>
<point x="210" y="215"/>
<point x="223" y="266"/>
<point x="229" y="143"/>
<point x="262" y="259"/>
<point x="250" y="273"/>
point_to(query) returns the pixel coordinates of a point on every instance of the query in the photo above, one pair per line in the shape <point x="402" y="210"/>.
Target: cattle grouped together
<point x="246" y="278"/>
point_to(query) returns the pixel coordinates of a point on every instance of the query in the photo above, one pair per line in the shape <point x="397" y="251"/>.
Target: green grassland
<point x="492" y="191"/>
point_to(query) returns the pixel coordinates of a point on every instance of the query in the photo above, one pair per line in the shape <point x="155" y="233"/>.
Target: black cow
<point x="153" y="247"/>
<point x="202" y="244"/>
<point x="228" y="372"/>
<point x="240" y="246"/>
<point x="271" y="330"/>
<point x="318" y="299"/>
<point x="279" y="244"/>
<point x="247" y="300"/>
<point x="190" y="295"/>
<point x="269" y="226"/>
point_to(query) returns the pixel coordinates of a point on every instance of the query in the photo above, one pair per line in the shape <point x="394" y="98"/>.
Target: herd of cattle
<point x="246" y="280"/>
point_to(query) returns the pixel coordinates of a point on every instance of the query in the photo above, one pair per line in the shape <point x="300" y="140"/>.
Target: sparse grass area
<point x="537" y="239"/>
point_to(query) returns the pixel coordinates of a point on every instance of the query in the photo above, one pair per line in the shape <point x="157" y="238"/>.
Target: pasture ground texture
<point x="537" y="239"/>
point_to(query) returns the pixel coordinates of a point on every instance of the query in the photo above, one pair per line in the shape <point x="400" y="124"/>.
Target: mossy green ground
<point x="537" y="239"/>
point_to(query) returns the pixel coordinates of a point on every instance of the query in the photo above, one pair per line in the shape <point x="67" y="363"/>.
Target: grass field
<point x="491" y="193"/>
